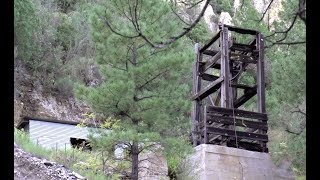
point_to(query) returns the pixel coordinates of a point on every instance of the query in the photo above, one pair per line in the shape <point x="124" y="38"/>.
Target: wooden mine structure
<point x="218" y="95"/>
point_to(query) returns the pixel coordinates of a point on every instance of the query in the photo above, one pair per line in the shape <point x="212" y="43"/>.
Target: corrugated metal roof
<point x="25" y="121"/>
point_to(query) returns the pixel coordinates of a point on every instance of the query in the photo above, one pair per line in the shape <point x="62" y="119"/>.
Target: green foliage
<point x="219" y="6"/>
<point x="26" y="24"/>
<point x="143" y="89"/>
<point x="64" y="87"/>
<point x="176" y="152"/>
<point x="91" y="165"/>
<point x="286" y="92"/>
<point x="21" y="138"/>
<point x="200" y="33"/>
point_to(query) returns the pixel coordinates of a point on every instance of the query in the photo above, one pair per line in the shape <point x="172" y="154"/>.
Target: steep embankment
<point x="32" y="99"/>
<point x="28" y="166"/>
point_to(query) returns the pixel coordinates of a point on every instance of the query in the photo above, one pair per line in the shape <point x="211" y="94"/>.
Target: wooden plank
<point x="239" y="134"/>
<point x="211" y="88"/>
<point x="210" y="52"/>
<point x="253" y="42"/>
<point x="212" y="61"/>
<point x="241" y="86"/>
<point x="242" y="58"/>
<point x="244" y="98"/>
<point x="209" y="77"/>
<point x="237" y="122"/>
<point x="216" y="37"/>
<point x="215" y="66"/>
<point x="237" y="112"/>
<point x="241" y="30"/>
<point x="242" y="47"/>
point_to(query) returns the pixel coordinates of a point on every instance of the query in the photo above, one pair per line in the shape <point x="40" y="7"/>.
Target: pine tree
<point x="145" y="88"/>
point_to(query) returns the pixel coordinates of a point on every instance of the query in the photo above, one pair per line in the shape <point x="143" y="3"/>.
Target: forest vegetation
<point x="131" y="62"/>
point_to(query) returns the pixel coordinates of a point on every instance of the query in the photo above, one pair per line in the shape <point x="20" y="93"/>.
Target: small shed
<point x="57" y="134"/>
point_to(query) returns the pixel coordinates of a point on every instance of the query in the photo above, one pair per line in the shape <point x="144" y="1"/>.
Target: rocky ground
<point x="29" y="167"/>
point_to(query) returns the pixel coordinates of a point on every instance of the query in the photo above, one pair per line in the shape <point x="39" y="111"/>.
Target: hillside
<point x="74" y="58"/>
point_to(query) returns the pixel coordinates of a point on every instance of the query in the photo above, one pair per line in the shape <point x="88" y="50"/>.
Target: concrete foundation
<point x="212" y="162"/>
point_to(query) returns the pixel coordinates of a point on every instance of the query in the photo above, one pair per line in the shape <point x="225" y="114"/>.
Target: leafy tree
<point x="145" y="87"/>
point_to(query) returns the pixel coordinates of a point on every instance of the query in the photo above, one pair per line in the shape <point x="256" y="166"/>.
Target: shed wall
<point x="55" y="135"/>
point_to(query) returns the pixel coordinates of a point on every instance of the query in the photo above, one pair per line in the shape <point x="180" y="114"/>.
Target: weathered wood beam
<point x="237" y="112"/>
<point x="233" y="133"/>
<point x="244" y="98"/>
<point x="215" y="66"/>
<point x="242" y="58"/>
<point x="241" y="30"/>
<point x="253" y="42"/>
<point x="195" y="113"/>
<point x="210" y="52"/>
<point x="214" y="39"/>
<point x="205" y="136"/>
<point x="225" y="68"/>
<point x="241" y="86"/>
<point x="237" y="122"/>
<point x="260" y="75"/>
<point x="212" y="61"/>
<point x="209" y="77"/>
<point x="211" y="88"/>
<point x="242" y="47"/>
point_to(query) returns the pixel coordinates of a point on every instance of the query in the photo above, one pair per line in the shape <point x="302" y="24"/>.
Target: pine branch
<point x="120" y="34"/>
<point x="151" y="79"/>
<point x="171" y="40"/>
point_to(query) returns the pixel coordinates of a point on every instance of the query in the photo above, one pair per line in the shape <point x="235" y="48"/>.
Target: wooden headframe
<point x="220" y="121"/>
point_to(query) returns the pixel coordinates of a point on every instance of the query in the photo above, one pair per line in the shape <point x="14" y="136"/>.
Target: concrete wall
<point x="212" y="162"/>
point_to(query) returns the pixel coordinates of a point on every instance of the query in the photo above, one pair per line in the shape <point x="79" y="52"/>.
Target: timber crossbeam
<point x="219" y="91"/>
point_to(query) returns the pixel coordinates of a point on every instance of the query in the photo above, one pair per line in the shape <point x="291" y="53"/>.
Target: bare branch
<point x="173" y="39"/>
<point x="151" y="79"/>
<point x="285" y="31"/>
<point x="285" y="43"/>
<point x="134" y="21"/>
<point x="118" y="33"/>
<point x="293" y="132"/>
<point x="193" y="5"/>
<point x="175" y="13"/>
<point x="299" y="111"/>
<point x="265" y="11"/>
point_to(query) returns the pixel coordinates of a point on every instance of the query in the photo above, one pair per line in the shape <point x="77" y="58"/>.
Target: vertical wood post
<point x="261" y="81"/>
<point x="225" y="68"/>
<point x="260" y="75"/>
<point x="195" y="115"/>
<point x="205" y="136"/>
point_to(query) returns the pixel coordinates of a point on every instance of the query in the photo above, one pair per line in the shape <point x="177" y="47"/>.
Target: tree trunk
<point x="135" y="161"/>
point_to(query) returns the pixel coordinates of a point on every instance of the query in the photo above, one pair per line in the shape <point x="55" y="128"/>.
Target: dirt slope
<point x="30" y="167"/>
